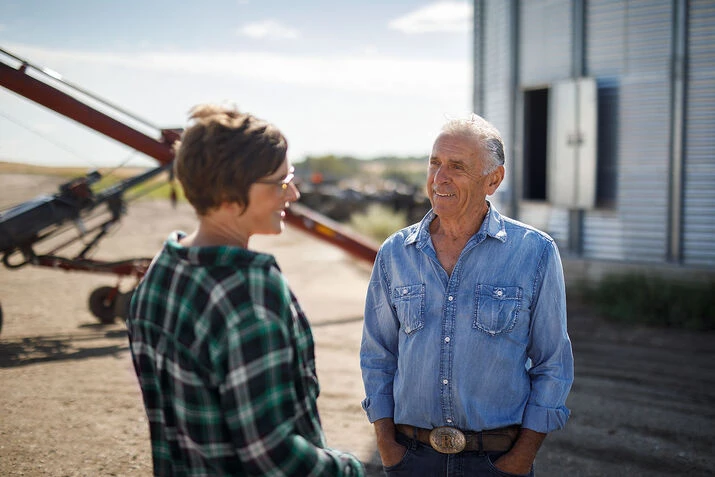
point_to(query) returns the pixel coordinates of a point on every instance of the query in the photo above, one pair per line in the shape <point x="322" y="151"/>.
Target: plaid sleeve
<point x="259" y="395"/>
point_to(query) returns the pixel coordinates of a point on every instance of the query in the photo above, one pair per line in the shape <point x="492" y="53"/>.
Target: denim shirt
<point x="484" y="348"/>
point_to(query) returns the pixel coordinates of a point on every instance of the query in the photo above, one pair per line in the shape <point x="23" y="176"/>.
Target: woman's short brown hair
<point x="223" y="152"/>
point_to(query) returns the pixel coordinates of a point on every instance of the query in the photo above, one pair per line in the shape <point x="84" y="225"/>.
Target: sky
<point x="363" y="78"/>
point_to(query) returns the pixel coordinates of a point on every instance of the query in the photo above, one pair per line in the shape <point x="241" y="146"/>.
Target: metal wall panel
<point x="606" y="37"/>
<point x="496" y="60"/>
<point x="629" y="43"/>
<point x="699" y="168"/>
<point x="545" y="41"/>
<point x="558" y="226"/>
<point x="497" y="63"/>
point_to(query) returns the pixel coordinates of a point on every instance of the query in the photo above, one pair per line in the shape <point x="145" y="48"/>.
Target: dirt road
<point x="642" y="402"/>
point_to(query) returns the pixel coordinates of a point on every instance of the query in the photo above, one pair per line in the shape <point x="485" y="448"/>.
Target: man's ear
<point x="495" y="179"/>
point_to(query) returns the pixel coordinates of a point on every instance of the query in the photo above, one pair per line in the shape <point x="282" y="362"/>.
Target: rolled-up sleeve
<point x="549" y="349"/>
<point x="378" y="349"/>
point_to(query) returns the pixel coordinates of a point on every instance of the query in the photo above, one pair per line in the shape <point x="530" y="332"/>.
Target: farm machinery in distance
<point x="86" y="214"/>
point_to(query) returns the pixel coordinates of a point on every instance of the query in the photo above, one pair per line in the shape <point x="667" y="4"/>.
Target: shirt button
<point x="500" y="293"/>
<point x="404" y="291"/>
<point x="445" y="381"/>
<point x="449" y="421"/>
<point x="450" y="298"/>
<point x="446" y="340"/>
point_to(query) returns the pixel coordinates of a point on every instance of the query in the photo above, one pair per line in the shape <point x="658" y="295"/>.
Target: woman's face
<point x="269" y="197"/>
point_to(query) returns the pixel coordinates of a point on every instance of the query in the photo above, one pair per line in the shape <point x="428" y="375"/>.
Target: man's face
<point x="456" y="184"/>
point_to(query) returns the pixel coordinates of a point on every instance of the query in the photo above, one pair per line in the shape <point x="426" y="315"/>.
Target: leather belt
<point x="450" y="440"/>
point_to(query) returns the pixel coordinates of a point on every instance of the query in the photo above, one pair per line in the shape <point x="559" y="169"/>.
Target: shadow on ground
<point x="42" y="349"/>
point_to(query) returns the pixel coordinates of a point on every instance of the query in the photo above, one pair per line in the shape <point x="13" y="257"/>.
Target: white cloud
<point x="370" y="73"/>
<point x="447" y="16"/>
<point x="269" y="29"/>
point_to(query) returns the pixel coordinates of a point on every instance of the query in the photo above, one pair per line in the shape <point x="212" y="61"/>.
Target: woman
<point x="222" y="350"/>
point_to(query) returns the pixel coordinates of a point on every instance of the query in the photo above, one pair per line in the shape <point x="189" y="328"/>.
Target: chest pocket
<point x="497" y="308"/>
<point x="409" y="303"/>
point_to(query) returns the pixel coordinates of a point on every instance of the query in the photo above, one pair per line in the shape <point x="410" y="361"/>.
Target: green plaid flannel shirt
<point x="225" y="361"/>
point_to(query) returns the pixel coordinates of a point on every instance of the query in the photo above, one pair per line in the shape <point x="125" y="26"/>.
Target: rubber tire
<point x="103" y="312"/>
<point x="121" y="305"/>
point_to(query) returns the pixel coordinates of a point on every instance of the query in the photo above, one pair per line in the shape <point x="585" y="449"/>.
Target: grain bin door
<point x="571" y="175"/>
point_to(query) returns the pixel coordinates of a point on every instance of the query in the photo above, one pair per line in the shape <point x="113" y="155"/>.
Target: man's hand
<point x="513" y="464"/>
<point x="391" y="452"/>
<point x="520" y="458"/>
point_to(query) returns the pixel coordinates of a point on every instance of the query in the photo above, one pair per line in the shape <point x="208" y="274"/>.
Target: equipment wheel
<point x="101" y="305"/>
<point x="121" y="304"/>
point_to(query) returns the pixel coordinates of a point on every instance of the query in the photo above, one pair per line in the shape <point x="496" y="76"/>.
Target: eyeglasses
<point x="283" y="183"/>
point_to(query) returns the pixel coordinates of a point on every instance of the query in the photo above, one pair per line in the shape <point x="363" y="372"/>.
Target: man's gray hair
<point x="484" y="132"/>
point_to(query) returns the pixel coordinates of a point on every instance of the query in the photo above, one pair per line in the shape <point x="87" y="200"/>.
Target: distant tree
<point x="378" y="221"/>
<point x="330" y="166"/>
<point x="409" y="170"/>
<point x="409" y="177"/>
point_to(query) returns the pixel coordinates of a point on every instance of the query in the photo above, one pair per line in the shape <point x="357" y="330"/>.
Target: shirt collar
<point x="493" y="226"/>
<point x="218" y="256"/>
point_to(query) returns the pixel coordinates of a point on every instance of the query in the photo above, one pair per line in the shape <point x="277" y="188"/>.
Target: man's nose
<point x="440" y="175"/>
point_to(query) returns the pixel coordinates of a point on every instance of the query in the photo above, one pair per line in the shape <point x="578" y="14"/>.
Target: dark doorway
<point x="608" y="127"/>
<point x="536" y="114"/>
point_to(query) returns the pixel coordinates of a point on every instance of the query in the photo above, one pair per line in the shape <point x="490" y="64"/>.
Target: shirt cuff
<point x="545" y="419"/>
<point x="379" y="407"/>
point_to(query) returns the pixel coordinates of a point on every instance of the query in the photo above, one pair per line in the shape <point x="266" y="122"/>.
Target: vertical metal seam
<point x="677" y="140"/>
<point x="514" y="92"/>
<point x="478" y="57"/>
<point x="578" y="32"/>
<point x="578" y="38"/>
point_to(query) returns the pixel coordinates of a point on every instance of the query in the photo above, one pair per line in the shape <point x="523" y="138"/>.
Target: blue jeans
<point x="423" y="461"/>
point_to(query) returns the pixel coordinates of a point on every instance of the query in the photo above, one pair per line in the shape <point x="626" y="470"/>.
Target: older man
<point x="465" y="355"/>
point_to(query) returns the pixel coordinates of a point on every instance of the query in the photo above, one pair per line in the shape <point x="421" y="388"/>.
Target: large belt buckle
<point x="447" y="440"/>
